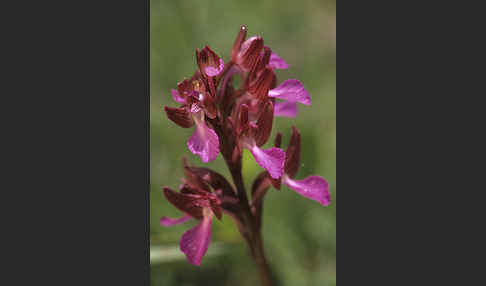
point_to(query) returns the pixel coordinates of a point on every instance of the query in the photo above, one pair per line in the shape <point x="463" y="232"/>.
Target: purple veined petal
<point x="272" y="160"/>
<point x="195" y="242"/>
<point x="177" y="98"/>
<point x="291" y="90"/>
<point x="285" y="109"/>
<point x="212" y="71"/>
<point x="204" y="142"/>
<point x="276" y="62"/>
<point x="167" y="221"/>
<point x="313" y="187"/>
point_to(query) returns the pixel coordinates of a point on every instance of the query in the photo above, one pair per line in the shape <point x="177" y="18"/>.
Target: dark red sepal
<point x="264" y="124"/>
<point x="193" y="179"/>
<point x="179" y="116"/>
<point x="250" y="53"/>
<point x="208" y="59"/>
<point x="240" y="38"/>
<point x="262" y="62"/>
<point x="185" y="88"/>
<point x="260" y="186"/>
<point x="292" y="159"/>
<point x="260" y="87"/>
<point x="242" y="123"/>
<point x="184" y="202"/>
<point x="209" y="106"/>
<point x="214" y="179"/>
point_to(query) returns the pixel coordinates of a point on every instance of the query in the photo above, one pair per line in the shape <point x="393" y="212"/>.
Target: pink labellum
<point x="272" y="160"/>
<point x="291" y="90"/>
<point x="195" y="242"/>
<point x="285" y="109"/>
<point x="313" y="187"/>
<point x="204" y="142"/>
<point x="277" y="62"/>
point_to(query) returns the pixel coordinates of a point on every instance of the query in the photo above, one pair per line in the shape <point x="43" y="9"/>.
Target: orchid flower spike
<point x="228" y="119"/>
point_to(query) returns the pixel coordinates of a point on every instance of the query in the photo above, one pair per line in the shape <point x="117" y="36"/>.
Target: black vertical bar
<point x="76" y="75"/>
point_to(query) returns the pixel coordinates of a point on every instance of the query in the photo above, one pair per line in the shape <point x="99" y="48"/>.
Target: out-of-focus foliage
<point x="299" y="234"/>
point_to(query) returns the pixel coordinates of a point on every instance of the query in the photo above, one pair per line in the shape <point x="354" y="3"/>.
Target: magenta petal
<point x="167" y="221"/>
<point x="272" y="160"/>
<point x="195" y="242"/>
<point x="204" y="142"/>
<point x="277" y="62"/>
<point x="285" y="109"/>
<point x="313" y="187"/>
<point x="177" y="98"/>
<point x="291" y="90"/>
<point x="212" y="71"/>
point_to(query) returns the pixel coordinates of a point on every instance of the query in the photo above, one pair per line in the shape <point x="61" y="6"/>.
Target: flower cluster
<point x="227" y="120"/>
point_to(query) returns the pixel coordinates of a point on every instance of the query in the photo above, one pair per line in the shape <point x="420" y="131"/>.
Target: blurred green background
<point x="299" y="234"/>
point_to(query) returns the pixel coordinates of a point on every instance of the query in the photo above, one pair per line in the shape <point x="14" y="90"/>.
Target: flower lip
<point x="313" y="187"/>
<point x="285" y="109"/>
<point x="195" y="242"/>
<point x="272" y="159"/>
<point x="204" y="141"/>
<point x="276" y="62"/>
<point x="291" y="90"/>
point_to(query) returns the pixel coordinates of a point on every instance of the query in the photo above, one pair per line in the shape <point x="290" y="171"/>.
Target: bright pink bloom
<point x="198" y="204"/>
<point x="197" y="104"/>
